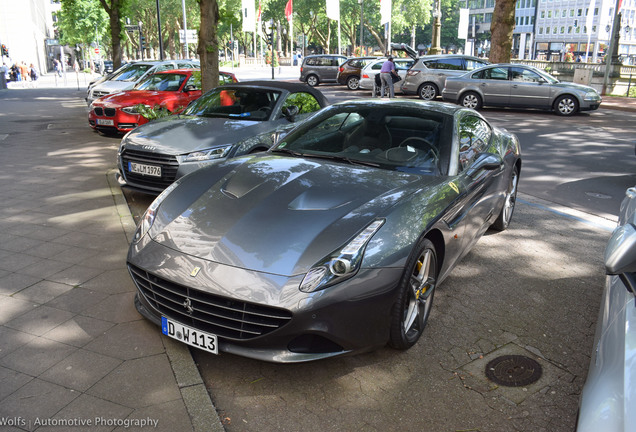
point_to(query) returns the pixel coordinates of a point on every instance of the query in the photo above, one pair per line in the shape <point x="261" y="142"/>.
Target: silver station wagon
<point x="519" y="86"/>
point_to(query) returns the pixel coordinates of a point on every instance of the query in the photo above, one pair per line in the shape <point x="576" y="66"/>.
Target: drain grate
<point x="513" y="370"/>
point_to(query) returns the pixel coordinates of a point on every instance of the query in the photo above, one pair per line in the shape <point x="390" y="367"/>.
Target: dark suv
<point x="427" y="77"/>
<point x="320" y="68"/>
<point x="349" y="71"/>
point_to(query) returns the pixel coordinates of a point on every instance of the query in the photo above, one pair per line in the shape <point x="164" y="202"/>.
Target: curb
<point x="194" y="394"/>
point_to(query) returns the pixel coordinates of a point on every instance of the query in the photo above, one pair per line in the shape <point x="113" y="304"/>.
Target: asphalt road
<point x="532" y="290"/>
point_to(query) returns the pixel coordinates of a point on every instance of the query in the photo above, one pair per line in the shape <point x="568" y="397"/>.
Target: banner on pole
<point x="333" y="9"/>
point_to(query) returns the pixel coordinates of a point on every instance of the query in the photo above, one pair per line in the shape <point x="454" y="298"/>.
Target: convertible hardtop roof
<point x="283" y="85"/>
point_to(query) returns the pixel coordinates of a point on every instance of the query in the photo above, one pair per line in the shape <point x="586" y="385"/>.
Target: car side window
<point x="403" y="64"/>
<point x="474" y="138"/>
<point x="195" y="80"/>
<point x="495" y="73"/>
<point x="451" y="64"/>
<point x="474" y="64"/>
<point x="524" y="75"/>
<point x="305" y="102"/>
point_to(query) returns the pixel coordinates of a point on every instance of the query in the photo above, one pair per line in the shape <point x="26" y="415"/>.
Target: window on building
<point x="532" y="20"/>
<point x="540" y="30"/>
<point x="569" y="29"/>
<point x="562" y="29"/>
<point x="549" y="14"/>
<point x="579" y="12"/>
<point x="542" y="14"/>
<point x="547" y="30"/>
<point x="593" y="29"/>
<point x="563" y="13"/>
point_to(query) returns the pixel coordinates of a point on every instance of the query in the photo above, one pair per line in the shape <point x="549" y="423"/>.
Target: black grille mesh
<point x="214" y="314"/>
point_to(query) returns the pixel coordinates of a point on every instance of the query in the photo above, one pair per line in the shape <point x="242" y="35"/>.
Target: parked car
<point x="104" y="67"/>
<point x="227" y="121"/>
<point x="169" y="90"/>
<point x="427" y="77"/>
<point x="321" y="68"/>
<point x="130" y="74"/>
<point x="349" y="72"/>
<point x="519" y="86"/>
<point x="333" y="241"/>
<point x="373" y="68"/>
<point x="607" y="398"/>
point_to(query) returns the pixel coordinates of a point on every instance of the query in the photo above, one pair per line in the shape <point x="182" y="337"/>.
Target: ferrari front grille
<point x="211" y="313"/>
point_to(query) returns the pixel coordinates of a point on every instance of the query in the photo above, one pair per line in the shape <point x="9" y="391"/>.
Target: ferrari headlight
<point x="204" y="155"/>
<point x="342" y="263"/>
<point x="151" y="213"/>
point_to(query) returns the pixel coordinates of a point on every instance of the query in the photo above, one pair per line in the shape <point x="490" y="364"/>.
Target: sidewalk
<point x="74" y="353"/>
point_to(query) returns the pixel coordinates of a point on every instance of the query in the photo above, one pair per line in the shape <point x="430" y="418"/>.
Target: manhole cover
<point x="513" y="370"/>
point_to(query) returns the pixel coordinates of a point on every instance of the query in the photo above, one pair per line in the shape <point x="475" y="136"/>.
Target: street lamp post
<point x="361" y="19"/>
<point x="159" y="29"/>
<point x="437" y="25"/>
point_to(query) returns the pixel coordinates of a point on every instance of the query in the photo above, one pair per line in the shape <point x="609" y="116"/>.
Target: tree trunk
<point x="503" y="23"/>
<point x="208" y="45"/>
<point x="113" y="10"/>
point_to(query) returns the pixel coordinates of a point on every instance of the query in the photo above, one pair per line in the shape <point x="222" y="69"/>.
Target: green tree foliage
<point x="82" y="22"/>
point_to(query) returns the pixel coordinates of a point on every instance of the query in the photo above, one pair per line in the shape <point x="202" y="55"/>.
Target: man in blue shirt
<point x="388" y="68"/>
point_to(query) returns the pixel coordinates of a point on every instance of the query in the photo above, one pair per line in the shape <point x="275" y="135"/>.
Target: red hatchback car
<point x="172" y="90"/>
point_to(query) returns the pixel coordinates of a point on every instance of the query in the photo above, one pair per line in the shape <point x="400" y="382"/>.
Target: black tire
<point x="313" y="80"/>
<point x="566" y="105"/>
<point x="504" y="218"/>
<point x="428" y="91"/>
<point x="417" y="288"/>
<point x="353" y="83"/>
<point x="471" y="100"/>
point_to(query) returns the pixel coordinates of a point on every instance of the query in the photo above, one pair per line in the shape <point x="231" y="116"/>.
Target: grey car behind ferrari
<point x="227" y="121"/>
<point x="334" y="240"/>
<point x="609" y="394"/>
<point x="519" y="86"/>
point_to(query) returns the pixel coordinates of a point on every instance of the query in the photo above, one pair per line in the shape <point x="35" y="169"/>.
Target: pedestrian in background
<point x="386" y="76"/>
<point x="24" y="72"/>
<point x="34" y="75"/>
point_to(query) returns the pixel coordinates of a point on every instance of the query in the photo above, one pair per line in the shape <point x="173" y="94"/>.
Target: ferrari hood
<point x="277" y="215"/>
<point x="177" y="135"/>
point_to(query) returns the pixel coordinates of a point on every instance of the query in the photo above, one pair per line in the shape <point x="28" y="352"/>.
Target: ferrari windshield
<point x="244" y="103"/>
<point x="389" y="137"/>
<point x="162" y="82"/>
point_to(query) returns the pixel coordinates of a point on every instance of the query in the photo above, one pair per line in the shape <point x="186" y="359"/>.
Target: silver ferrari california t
<point x="227" y="121"/>
<point x="333" y="241"/>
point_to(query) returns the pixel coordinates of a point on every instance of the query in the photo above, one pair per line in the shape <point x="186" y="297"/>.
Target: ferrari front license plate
<point x="105" y="122"/>
<point x="149" y="170"/>
<point x="190" y="336"/>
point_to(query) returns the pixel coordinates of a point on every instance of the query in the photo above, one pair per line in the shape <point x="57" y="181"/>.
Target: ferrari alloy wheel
<point x="504" y="218"/>
<point x="413" y="306"/>
<point x="353" y="83"/>
<point x="471" y="100"/>
<point x="312" y="80"/>
<point x="566" y="105"/>
<point x="428" y="91"/>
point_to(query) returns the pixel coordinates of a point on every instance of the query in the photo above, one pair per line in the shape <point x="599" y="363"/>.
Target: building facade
<point x="559" y="30"/>
<point x="26" y="29"/>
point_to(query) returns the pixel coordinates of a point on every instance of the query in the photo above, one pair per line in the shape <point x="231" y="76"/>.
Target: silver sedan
<point x="519" y="86"/>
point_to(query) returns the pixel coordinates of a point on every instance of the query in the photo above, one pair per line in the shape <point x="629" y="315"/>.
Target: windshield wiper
<point x="288" y="151"/>
<point x="344" y="159"/>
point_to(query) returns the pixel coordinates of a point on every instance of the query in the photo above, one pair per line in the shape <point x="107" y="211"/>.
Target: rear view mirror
<point x="620" y="255"/>
<point x="485" y="161"/>
<point x="290" y="112"/>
